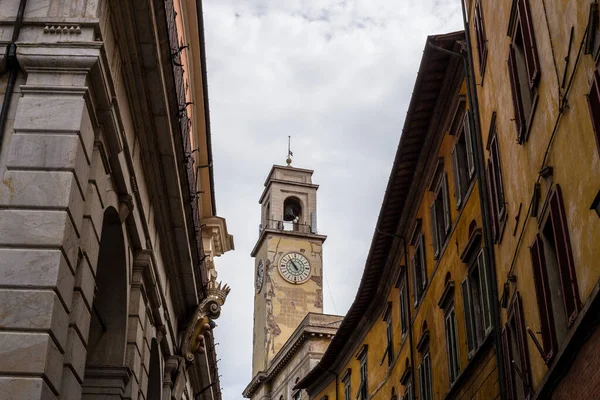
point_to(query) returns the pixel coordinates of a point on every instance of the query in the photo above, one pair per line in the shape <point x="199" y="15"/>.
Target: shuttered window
<point x="389" y="328"/>
<point x="363" y="389"/>
<point x="495" y="183"/>
<point x="482" y="280"/>
<point x="440" y="215"/>
<point x="463" y="166"/>
<point x="564" y="256"/>
<point x="467" y="132"/>
<point x="594" y="106"/>
<point x="403" y="308"/>
<point x="469" y="317"/>
<point x="347" y="392"/>
<point x="542" y="291"/>
<point x="530" y="48"/>
<point x="523" y="66"/>
<point x="480" y="37"/>
<point x="494" y="217"/>
<point x="516" y="92"/>
<point x="452" y="343"/>
<point x="497" y="177"/>
<point x="592" y="43"/>
<point x="425" y="383"/>
<point x="507" y="361"/>
<point x="516" y="360"/>
<point x="554" y="275"/>
<point x="419" y="270"/>
<point x="475" y="293"/>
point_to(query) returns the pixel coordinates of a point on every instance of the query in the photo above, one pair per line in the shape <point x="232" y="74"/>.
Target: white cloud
<point x="335" y="75"/>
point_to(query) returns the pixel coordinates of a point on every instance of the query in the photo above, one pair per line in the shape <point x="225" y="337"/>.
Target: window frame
<point x="408" y="392"/>
<point x="594" y="109"/>
<point x="419" y="285"/>
<point x="403" y="308"/>
<point x="387" y="318"/>
<point x="478" y="321"/>
<point x="495" y="184"/>
<point x="542" y="290"/>
<point x="556" y="216"/>
<point x="463" y="164"/>
<point x="592" y="43"/>
<point x="347" y="384"/>
<point x="452" y="342"/>
<point x="363" y="389"/>
<point x="514" y="329"/>
<point x="440" y="231"/>
<point x="521" y="22"/>
<point x="425" y="380"/>
<point x="480" y="37"/>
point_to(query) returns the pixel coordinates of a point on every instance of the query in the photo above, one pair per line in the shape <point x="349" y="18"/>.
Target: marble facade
<point x="102" y="263"/>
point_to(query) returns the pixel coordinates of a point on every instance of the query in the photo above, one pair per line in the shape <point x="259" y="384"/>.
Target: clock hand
<point x="298" y="267"/>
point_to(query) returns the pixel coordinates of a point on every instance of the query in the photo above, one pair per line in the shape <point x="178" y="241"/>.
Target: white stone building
<point x="108" y="224"/>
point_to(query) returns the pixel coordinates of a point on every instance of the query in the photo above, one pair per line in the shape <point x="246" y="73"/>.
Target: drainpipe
<point x="483" y="199"/>
<point x="12" y="66"/>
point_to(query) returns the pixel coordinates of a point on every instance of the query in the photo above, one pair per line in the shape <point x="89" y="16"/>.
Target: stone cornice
<point x="266" y="231"/>
<point x="284" y="182"/>
<point x="57" y="57"/>
<point x="215" y="232"/>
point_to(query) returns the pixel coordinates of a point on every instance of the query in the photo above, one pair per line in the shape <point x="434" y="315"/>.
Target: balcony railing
<point x="285" y="226"/>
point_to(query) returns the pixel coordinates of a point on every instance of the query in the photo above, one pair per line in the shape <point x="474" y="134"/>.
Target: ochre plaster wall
<point x="481" y="379"/>
<point x="573" y="153"/>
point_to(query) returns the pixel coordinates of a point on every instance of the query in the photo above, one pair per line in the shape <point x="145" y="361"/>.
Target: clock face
<point x="260" y="276"/>
<point x="294" y="268"/>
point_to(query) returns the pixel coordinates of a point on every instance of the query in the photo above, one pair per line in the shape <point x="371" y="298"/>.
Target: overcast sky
<point x="336" y="75"/>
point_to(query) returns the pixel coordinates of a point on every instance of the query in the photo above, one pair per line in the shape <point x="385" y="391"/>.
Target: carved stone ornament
<point x="207" y="310"/>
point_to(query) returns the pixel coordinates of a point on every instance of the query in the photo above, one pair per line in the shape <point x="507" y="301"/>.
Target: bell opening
<point x="292" y="210"/>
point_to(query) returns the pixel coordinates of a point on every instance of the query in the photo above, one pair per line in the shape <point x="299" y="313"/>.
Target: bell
<point x="288" y="213"/>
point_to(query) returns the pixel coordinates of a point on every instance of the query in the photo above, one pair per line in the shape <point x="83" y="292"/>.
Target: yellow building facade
<point x="534" y="67"/>
<point x="422" y="323"/>
<point x="482" y="279"/>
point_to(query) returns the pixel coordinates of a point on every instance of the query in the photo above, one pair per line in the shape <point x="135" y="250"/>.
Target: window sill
<point x="465" y="375"/>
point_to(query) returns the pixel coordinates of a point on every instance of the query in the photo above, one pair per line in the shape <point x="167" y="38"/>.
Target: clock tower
<point x="288" y="268"/>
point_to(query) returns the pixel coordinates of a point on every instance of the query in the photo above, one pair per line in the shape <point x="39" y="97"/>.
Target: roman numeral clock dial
<point x="294" y="268"/>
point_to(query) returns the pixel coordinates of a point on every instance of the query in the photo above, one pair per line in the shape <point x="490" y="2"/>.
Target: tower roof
<point x="288" y="175"/>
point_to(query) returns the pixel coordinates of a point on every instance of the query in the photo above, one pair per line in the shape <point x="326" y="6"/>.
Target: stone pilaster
<point x="42" y="201"/>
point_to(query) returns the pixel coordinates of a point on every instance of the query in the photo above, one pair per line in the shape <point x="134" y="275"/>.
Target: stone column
<point x="42" y="193"/>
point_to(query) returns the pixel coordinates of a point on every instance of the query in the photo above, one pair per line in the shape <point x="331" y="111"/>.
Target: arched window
<point x="292" y="214"/>
<point x="155" y="373"/>
<point x="108" y="326"/>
